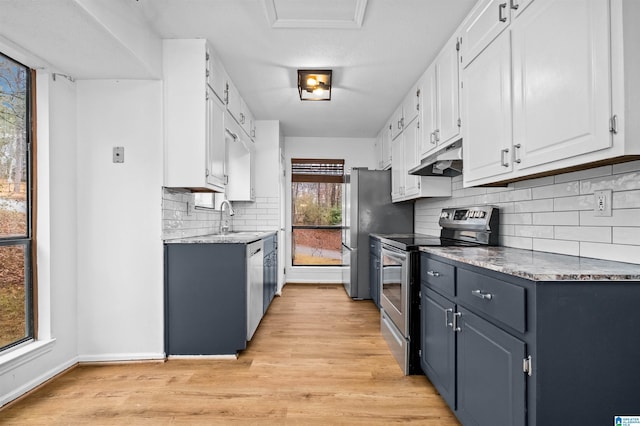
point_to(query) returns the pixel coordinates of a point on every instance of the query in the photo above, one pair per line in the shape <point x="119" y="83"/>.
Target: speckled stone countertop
<point x="244" y="237"/>
<point x="539" y="266"/>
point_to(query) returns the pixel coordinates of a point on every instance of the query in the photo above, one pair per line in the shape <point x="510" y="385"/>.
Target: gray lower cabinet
<point x="205" y="299"/>
<point x="503" y="350"/>
<point x="374" y="270"/>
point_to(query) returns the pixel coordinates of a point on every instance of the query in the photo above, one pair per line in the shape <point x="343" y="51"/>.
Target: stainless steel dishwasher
<point x="255" y="286"/>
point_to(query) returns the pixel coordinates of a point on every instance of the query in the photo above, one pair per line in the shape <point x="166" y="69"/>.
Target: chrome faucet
<point x="225" y="223"/>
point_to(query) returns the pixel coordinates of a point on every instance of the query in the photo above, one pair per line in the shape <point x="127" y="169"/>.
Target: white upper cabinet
<point x="216" y="75"/>
<point x="487" y="112"/>
<point x="561" y="81"/>
<point x="383" y="141"/>
<point x="396" y="122"/>
<point x="239" y="166"/>
<point x="234" y="101"/>
<point x="215" y="171"/>
<point x="440" y="101"/>
<point x="411" y="105"/>
<point x="537" y="97"/>
<point x="188" y="128"/>
<point x="428" y="111"/>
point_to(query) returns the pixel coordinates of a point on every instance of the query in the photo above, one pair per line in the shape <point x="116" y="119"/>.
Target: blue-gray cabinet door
<point x="438" y="343"/>
<point x="490" y="384"/>
<point x="374" y="277"/>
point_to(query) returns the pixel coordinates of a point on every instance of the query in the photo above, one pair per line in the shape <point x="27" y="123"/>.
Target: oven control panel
<point x="463" y="217"/>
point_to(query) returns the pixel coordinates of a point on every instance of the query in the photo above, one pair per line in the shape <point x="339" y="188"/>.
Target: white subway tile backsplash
<point x="584" y="174"/>
<point x="556" y="218"/>
<point x="561" y="203"/>
<point x="631" y="166"/>
<point x="620" y="182"/>
<point x="545" y="205"/>
<point x="517" y="242"/>
<point x="565" y="189"/>
<point x="626" y="235"/>
<point x="548" y="180"/>
<point x="624" y="217"/>
<point x="515" y="195"/>
<point x="581" y="202"/>
<point x="557" y="246"/>
<point x="516" y="219"/>
<point x="617" y="252"/>
<point x="596" y="234"/>
<point x="533" y="231"/>
<point x="626" y="199"/>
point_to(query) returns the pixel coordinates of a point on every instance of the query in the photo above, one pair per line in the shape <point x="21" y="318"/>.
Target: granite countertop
<point x="539" y="266"/>
<point x="244" y="237"/>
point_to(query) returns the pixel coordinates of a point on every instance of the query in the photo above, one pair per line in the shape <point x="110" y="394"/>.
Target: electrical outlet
<point x="602" y="202"/>
<point x="118" y="154"/>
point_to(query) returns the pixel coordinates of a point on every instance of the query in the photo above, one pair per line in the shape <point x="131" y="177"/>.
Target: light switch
<point x="118" y="154"/>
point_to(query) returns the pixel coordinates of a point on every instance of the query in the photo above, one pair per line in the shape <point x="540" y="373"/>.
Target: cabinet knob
<point x="482" y="295"/>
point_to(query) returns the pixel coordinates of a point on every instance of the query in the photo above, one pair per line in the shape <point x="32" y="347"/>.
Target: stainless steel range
<point x="400" y="280"/>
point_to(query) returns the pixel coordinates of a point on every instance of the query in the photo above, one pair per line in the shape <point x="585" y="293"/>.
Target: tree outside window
<point x="16" y="311"/>
<point x="316" y="194"/>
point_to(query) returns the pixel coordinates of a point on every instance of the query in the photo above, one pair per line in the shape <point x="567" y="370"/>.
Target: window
<point x="316" y="195"/>
<point x="16" y="292"/>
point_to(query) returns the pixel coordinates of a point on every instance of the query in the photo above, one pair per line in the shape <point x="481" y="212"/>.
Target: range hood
<point x="444" y="162"/>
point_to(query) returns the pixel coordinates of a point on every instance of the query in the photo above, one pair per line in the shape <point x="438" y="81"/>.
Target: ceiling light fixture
<point x="314" y="85"/>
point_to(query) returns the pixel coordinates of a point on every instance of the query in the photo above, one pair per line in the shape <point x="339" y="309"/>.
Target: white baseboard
<point x="37" y="381"/>
<point x="142" y="356"/>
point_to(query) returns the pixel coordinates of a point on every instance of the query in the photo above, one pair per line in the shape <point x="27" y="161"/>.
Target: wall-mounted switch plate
<point x="602" y="202"/>
<point x="118" y="154"/>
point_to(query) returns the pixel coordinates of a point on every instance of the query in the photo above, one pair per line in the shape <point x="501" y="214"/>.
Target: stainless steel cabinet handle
<point x="433" y="273"/>
<point x="514" y="4"/>
<point x="480" y="294"/>
<point x="456" y="315"/>
<point x="432" y="139"/>
<point x="517" y="153"/>
<point x="437" y="132"/>
<point x="613" y="125"/>
<point x="241" y="118"/>
<point x="501" y="7"/>
<point x="447" y="323"/>
<point x="503" y="154"/>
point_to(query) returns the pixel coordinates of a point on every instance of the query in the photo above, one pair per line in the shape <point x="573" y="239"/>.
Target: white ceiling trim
<point x="354" y="23"/>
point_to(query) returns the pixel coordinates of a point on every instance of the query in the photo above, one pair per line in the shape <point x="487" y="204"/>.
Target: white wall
<point x="56" y="350"/>
<point x="120" y="279"/>
<point x="555" y="214"/>
<point x="356" y="152"/>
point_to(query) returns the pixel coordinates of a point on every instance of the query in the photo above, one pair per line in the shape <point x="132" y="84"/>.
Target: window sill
<point x="24" y="354"/>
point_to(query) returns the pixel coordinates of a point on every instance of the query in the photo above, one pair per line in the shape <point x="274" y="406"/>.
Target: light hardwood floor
<point x="317" y="358"/>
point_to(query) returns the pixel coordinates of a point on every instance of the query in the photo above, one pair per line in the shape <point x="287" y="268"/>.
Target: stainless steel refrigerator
<point x="367" y="209"/>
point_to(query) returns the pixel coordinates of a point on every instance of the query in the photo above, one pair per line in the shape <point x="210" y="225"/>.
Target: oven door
<point x="394" y="294"/>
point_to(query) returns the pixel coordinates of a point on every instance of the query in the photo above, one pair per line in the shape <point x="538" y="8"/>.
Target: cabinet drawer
<point x="438" y="275"/>
<point x="499" y="299"/>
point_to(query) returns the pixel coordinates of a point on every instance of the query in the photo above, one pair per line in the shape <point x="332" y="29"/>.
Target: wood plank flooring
<point x="316" y="358"/>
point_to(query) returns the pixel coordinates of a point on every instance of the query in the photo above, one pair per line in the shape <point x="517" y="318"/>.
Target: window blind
<point x="317" y="170"/>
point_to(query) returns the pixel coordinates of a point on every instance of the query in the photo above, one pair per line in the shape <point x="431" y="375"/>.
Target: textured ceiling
<point x="373" y="66"/>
